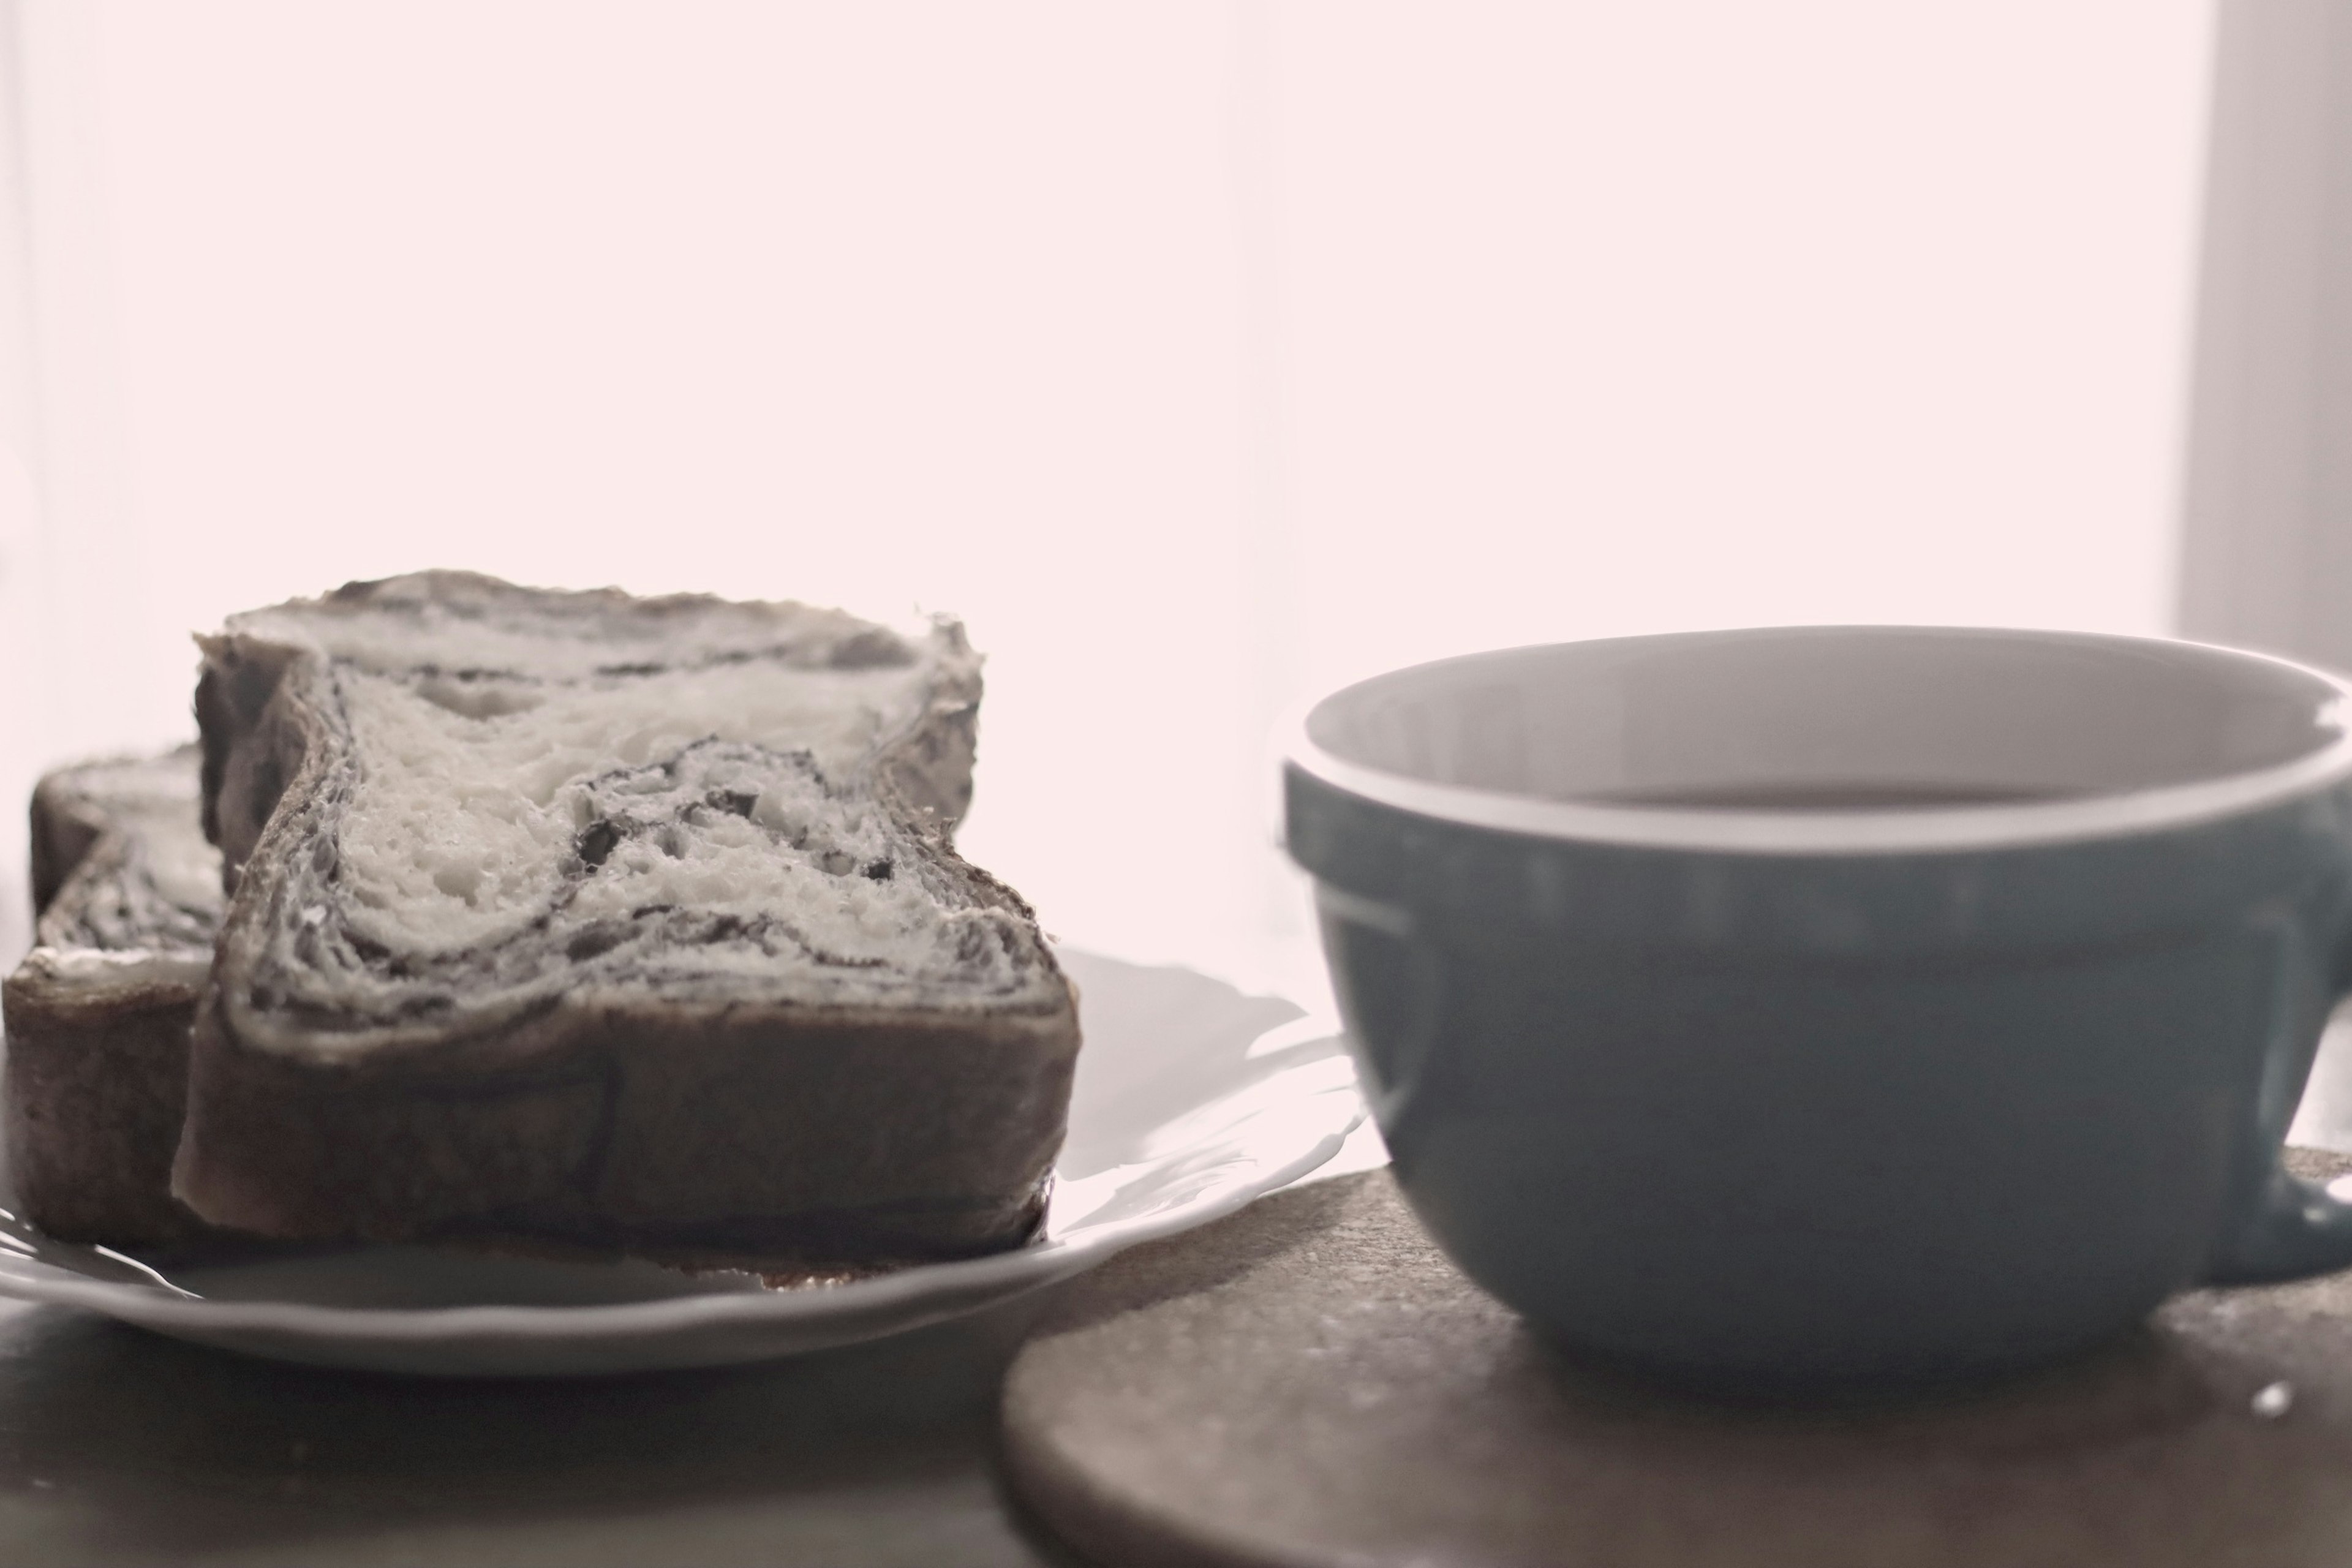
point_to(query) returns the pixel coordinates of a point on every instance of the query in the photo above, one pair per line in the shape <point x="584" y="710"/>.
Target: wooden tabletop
<point x="118" y="1447"/>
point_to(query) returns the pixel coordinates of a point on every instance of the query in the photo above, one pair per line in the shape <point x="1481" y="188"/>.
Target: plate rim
<point x="961" y="1284"/>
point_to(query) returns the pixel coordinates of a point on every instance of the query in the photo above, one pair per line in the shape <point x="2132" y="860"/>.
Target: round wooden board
<point x="1312" y="1384"/>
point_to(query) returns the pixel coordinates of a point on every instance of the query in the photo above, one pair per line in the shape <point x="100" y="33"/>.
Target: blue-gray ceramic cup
<point x="1843" y="1009"/>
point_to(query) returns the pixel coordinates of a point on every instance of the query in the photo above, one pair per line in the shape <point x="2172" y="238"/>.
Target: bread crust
<point x="731" y="1139"/>
<point x="96" y="1079"/>
<point x="95" y="1089"/>
<point x="731" y="1131"/>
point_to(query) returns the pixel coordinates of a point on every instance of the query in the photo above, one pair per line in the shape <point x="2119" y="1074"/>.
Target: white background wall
<point x="1201" y="356"/>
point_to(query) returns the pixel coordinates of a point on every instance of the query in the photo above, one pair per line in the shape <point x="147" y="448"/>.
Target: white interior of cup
<point x="1926" y="732"/>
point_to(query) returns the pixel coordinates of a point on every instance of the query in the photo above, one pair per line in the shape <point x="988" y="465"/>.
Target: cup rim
<point x="1931" y="830"/>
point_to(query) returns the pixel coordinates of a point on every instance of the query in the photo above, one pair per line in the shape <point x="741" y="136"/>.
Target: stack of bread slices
<point x="514" y="916"/>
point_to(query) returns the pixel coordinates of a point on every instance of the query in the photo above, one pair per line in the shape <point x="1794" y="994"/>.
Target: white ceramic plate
<point x="1192" y="1100"/>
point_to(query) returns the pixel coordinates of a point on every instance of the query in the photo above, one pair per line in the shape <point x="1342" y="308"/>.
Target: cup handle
<point x="2298" y="1228"/>
<point x="2297" y="1231"/>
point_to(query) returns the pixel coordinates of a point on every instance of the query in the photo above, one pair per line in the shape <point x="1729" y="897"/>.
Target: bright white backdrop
<point x="1201" y="356"/>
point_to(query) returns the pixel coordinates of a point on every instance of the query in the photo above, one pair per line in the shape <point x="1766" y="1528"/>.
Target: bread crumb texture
<point x="593" y="797"/>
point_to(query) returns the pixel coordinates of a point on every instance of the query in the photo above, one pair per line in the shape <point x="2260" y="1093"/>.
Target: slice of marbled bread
<point x="629" y="922"/>
<point x="127" y="895"/>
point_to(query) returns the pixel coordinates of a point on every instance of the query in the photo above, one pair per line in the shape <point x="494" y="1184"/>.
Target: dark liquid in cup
<point x="1835" y="796"/>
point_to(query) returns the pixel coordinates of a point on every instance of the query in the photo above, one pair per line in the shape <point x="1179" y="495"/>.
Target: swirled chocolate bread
<point x="128" y="896"/>
<point x="632" y="922"/>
